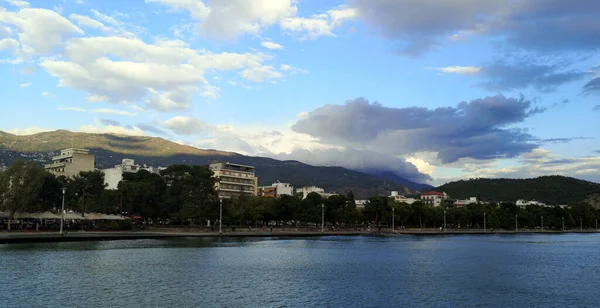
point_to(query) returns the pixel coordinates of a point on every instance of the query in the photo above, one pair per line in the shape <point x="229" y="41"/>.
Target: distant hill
<point x="110" y="149"/>
<point x="548" y="189"/>
<point x="402" y="181"/>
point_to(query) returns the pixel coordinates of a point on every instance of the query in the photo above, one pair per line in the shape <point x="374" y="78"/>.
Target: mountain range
<point x="111" y="149"/>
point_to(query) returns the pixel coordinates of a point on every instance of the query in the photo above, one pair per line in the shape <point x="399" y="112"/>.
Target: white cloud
<point x="320" y="24"/>
<point x="231" y="19"/>
<point x="463" y="70"/>
<point x="85" y="21"/>
<point x="164" y="74"/>
<point x="5" y="31"/>
<point x="48" y="94"/>
<point x="25" y="85"/>
<point x="423" y="166"/>
<point x="292" y="70"/>
<point x="111" y="129"/>
<point x="186" y="125"/>
<point x="9" y="43"/>
<point x="100" y="111"/>
<point x="18" y="3"/>
<point x="260" y="74"/>
<point x="271" y="45"/>
<point x="40" y="30"/>
<point x="27" y="130"/>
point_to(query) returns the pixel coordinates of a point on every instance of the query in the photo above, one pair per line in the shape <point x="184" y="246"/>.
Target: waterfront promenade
<point x="17" y="237"/>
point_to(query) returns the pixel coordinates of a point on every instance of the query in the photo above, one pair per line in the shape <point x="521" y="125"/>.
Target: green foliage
<point x="556" y="190"/>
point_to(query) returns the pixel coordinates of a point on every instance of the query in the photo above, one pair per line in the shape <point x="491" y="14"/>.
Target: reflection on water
<point x="387" y="271"/>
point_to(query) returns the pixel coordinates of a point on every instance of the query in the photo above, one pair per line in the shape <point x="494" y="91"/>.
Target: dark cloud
<point x="151" y="128"/>
<point x="110" y="122"/>
<point x="476" y="129"/>
<point x="560" y="161"/>
<point x="357" y="160"/>
<point x="544" y="78"/>
<point x="534" y="25"/>
<point x="592" y="87"/>
<point x="562" y="140"/>
<point x="417" y="26"/>
<point x="597" y="108"/>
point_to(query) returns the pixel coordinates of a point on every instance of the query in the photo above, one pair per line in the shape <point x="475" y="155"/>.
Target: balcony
<point x="55" y="165"/>
<point x="233" y="182"/>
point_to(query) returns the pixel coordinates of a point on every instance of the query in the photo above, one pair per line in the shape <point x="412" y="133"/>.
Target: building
<point x="433" y="198"/>
<point x="234" y="180"/>
<point x="524" y="203"/>
<point x="112" y="176"/>
<point x="277" y="189"/>
<point x="310" y="189"/>
<point x="400" y="198"/>
<point x="71" y="161"/>
<point x="360" y="204"/>
<point x="461" y="203"/>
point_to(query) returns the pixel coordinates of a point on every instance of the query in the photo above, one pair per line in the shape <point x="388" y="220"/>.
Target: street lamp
<point x="580" y="224"/>
<point x="542" y="223"/>
<point x="62" y="211"/>
<point x="322" y="217"/>
<point x="444" y="220"/>
<point x="563" y="223"/>
<point x="484" y="214"/>
<point x="516" y="223"/>
<point x="220" y="214"/>
<point x="393" y="226"/>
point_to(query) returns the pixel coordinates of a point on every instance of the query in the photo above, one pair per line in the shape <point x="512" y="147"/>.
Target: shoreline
<point x="83" y="236"/>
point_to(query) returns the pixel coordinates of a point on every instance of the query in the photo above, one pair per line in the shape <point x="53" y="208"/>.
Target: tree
<point x="89" y="186"/>
<point x="20" y="187"/>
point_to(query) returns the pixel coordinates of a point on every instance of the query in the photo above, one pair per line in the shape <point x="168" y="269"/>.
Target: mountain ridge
<point x="110" y="149"/>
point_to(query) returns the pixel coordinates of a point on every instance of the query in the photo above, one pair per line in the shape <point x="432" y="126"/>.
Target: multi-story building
<point x="277" y="189"/>
<point x="400" y="198"/>
<point x="310" y="189"/>
<point x="112" y="176"/>
<point x="433" y="198"/>
<point x="462" y="203"/>
<point x="234" y="180"/>
<point x="71" y="161"/>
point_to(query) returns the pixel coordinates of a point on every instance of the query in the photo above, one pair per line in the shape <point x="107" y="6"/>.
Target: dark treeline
<point x="184" y="194"/>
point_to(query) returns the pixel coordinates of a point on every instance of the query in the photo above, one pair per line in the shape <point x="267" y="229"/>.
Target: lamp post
<point x="322" y="217"/>
<point x="444" y="220"/>
<point x="484" y="215"/>
<point x="542" y="223"/>
<point x="580" y="224"/>
<point x="62" y="211"/>
<point x="393" y="226"/>
<point x="563" y="223"/>
<point x="220" y="214"/>
<point x="516" y="223"/>
<point x="596" y="224"/>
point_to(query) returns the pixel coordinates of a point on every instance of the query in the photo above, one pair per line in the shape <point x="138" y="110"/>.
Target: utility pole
<point x="322" y="217"/>
<point x="220" y="215"/>
<point x="62" y="211"/>
<point x="444" y="220"/>
<point x="484" y="215"/>
<point x="393" y="227"/>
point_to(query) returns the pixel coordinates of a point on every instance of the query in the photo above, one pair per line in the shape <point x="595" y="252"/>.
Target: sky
<point x="433" y="90"/>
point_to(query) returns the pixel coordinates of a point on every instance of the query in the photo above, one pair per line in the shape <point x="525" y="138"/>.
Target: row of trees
<point x="185" y="194"/>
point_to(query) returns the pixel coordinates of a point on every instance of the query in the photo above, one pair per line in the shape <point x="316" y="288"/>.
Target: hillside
<point x="110" y="149"/>
<point x="548" y="189"/>
<point x="402" y="181"/>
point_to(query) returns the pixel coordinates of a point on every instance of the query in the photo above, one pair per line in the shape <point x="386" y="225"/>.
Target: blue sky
<point x="433" y="90"/>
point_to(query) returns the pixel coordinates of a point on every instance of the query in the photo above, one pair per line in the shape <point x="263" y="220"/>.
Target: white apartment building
<point x="234" y="180"/>
<point x="277" y="189"/>
<point x="433" y="198"/>
<point x="112" y="176"/>
<point x="71" y="161"/>
<point x="461" y="203"/>
<point x="400" y="198"/>
<point x="523" y="203"/>
<point x="310" y="189"/>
